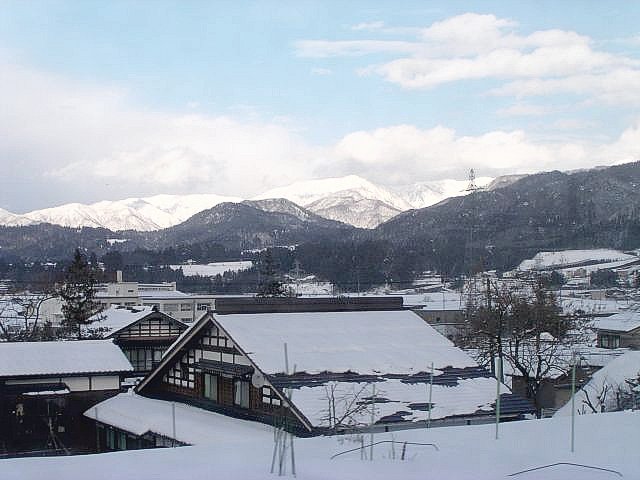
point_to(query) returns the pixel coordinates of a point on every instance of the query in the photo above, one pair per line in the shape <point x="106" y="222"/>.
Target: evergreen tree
<point x="78" y="295"/>
<point x="270" y="286"/>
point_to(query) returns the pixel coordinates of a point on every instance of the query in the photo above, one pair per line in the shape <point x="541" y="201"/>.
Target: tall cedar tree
<point x="270" y="286"/>
<point x="78" y="295"/>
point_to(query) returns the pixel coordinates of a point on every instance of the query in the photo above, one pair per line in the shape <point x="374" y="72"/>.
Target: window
<point x="184" y="371"/>
<point x="185" y="307"/>
<point x="610" y="341"/>
<point x="170" y="307"/>
<point x="122" y="441"/>
<point x="241" y="393"/>
<point x="211" y="387"/>
<point x="269" y="397"/>
<point x="111" y="439"/>
<point x="203" y="306"/>
<point x="144" y="358"/>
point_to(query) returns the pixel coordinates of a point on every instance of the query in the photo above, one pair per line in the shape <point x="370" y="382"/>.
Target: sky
<point x="108" y="100"/>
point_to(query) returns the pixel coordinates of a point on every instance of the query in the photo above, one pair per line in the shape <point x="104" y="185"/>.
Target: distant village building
<point x="322" y="371"/>
<point x="619" y="330"/>
<point x="164" y="296"/>
<point x="46" y="386"/>
<point x="444" y="311"/>
<point x="143" y="333"/>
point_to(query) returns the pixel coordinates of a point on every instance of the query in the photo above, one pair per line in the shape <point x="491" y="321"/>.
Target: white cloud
<point x="485" y="47"/>
<point x="321" y="71"/>
<point x="403" y="153"/>
<point x="78" y="134"/>
<point x="368" y="26"/>
<point x="526" y="109"/>
<point x="466" y="34"/>
<point x="615" y="87"/>
<point x="351" y="48"/>
<point x="76" y="137"/>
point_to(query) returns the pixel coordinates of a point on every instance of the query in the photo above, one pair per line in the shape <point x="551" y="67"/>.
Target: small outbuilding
<point x="46" y="386"/>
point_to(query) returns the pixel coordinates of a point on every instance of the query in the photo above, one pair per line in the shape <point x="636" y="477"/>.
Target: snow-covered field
<point x="567" y="258"/>
<point x="213" y="269"/>
<point x="607" y="441"/>
<point x="607" y="306"/>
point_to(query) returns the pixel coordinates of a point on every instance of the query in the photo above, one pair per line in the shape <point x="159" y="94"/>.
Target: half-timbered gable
<point x="143" y="333"/>
<point x="208" y="369"/>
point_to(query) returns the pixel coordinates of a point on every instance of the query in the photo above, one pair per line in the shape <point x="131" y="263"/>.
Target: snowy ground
<point x="469" y="452"/>
<point x="566" y="258"/>
<point x="212" y="269"/>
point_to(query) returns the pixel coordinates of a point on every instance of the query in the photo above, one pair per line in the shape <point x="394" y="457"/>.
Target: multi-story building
<point x="164" y="297"/>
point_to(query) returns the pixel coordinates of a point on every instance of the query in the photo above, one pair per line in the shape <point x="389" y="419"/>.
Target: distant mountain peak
<point x="348" y="199"/>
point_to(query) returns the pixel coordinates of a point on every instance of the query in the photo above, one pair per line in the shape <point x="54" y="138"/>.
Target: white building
<point x="164" y="296"/>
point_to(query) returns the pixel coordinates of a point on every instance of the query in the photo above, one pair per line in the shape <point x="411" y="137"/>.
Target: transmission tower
<point x="472" y="187"/>
<point x="470" y="260"/>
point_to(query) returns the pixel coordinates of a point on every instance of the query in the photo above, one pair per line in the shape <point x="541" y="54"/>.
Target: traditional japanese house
<point x="621" y="330"/>
<point x="46" y="386"/>
<point x="143" y="333"/>
<point x="326" y="372"/>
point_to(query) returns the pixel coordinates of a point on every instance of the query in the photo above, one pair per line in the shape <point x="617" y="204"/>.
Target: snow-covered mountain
<point x="142" y="214"/>
<point x="425" y="194"/>
<point x="354" y="208"/>
<point x="306" y="192"/>
<point x="350" y="199"/>
<point x="12" y="220"/>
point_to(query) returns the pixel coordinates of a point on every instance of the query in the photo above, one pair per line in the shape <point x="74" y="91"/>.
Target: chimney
<point x="119" y="276"/>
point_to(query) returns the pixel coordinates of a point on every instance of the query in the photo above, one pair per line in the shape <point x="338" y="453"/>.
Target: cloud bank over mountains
<point x="85" y="140"/>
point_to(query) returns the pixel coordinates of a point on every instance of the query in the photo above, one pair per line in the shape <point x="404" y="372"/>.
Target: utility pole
<point x="296" y="273"/>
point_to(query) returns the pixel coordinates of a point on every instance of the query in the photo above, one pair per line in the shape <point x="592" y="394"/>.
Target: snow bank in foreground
<point x="465" y="453"/>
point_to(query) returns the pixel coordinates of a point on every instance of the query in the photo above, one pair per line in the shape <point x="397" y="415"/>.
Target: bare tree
<point x="526" y="328"/>
<point x="345" y="409"/>
<point x="610" y="396"/>
<point x="487" y="323"/>
<point x="21" y="316"/>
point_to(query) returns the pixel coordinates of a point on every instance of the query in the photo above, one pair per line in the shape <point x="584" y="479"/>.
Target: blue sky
<point x="105" y="100"/>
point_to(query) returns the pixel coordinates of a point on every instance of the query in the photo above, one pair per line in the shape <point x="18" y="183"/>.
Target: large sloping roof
<point x="20" y="359"/>
<point x="620" y="322"/>
<point x="339" y="357"/>
<point x="139" y="415"/>
<point x="368" y="342"/>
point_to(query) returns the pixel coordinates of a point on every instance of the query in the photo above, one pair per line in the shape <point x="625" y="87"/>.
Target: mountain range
<point x="510" y="220"/>
<point x="350" y="199"/>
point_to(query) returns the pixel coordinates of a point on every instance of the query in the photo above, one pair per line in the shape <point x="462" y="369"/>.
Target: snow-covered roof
<point x="567" y="258"/>
<point x="444" y="301"/>
<point x="607" y="306"/>
<point x="613" y="374"/>
<point x="117" y="317"/>
<point x="363" y="342"/>
<point x="395" y="400"/>
<point x="139" y="415"/>
<point x="620" y="322"/>
<point x="19" y="359"/>
<point x="162" y="294"/>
